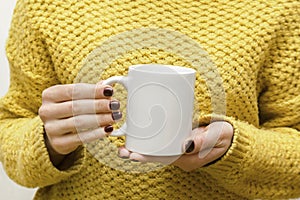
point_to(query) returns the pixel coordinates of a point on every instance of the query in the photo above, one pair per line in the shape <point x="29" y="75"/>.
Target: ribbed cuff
<point x="37" y="162"/>
<point x="231" y="163"/>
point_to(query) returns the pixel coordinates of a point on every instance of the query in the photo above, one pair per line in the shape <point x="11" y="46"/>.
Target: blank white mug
<point x="159" y="108"/>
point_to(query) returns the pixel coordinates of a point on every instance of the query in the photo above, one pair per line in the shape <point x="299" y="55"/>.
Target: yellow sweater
<point x="255" y="45"/>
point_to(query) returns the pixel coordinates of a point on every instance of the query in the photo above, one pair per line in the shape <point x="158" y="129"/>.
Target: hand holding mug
<point x="206" y="145"/>
<point x="74" y="114"/>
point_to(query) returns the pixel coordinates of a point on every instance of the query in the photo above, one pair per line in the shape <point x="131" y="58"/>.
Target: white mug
<point x="159" y="108"/>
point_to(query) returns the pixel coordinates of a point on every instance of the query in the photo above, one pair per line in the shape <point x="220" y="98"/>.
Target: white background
<point x="8" y="189"/>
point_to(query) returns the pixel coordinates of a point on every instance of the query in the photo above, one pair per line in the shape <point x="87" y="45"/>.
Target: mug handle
<point x="122" y="80"/>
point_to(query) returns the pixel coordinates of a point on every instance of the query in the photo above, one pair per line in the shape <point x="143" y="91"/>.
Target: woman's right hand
<point x="74" y="114"/>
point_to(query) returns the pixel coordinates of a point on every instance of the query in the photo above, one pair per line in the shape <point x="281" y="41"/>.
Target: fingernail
<point x="189" y="147"/>
<point x="114" y="105"/>
<point x="116" y="115"/>
<point x="108" y="129"/>
<point x="108" y="92"/>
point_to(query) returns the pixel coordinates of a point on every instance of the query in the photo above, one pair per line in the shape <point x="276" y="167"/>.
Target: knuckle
<point x="78" y="122"/>
<point x="71" y="107"/>
<point x="47" y="93"/>
<point x="58" y="144"/>
<point x="43" y="112"/>
<point x="105" y="119"/>
<point x="71" y="91"/>
<point x="49" y="128"/>
<point x="50" y="93"/>
<point x="76" y="108"/>
<point x="102" y="105"/>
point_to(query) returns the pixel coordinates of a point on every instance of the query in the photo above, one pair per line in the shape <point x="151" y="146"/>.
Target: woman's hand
<point x="75" y="114"/>
<point x="206" y="145"/>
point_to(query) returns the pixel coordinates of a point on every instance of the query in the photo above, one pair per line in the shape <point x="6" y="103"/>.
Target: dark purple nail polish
<point x="116" y="115"/>
<point x="108" y="129"/>
<point x="189" y="147"/>
<point x="108" y="92"/>
<point x="114" y="105"/>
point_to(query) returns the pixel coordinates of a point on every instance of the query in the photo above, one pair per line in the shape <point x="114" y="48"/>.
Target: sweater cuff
<point x="231" y="163"/>
<point x="38" y="158"/>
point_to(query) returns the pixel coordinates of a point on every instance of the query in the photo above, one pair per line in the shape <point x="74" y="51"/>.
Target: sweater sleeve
<point x="264" y="161"/>
<point x="22" y="149"/>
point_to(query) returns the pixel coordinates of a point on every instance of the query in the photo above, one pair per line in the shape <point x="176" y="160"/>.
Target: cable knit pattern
<point x="254" y="44"/>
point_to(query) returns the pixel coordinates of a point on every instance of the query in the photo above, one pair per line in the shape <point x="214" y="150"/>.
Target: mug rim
<point x="171" y="69"/>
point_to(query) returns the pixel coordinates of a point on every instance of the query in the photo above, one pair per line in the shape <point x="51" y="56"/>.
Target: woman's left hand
<point x="206" y="145"/>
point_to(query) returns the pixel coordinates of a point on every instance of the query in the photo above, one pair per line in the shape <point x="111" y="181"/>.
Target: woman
<point x="256" y="48"/>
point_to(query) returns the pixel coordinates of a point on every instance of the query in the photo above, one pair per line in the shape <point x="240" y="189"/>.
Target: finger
<point x="90" y="91"/>
<point x="61" y="93"/>
<point x="69" y="142"/>
<point x="81" y="122"/>
<point x="92" y="135"/>
<point x="193" y="143"/>
<point x="194" y="161"/>
<point x="166" y="160"/>
<point x="77" y="107"/>
<point x="203" y="142"/>
<point x="123" y="152"/>
<point x="80" y="107"/>
<point x="217" y="134"/>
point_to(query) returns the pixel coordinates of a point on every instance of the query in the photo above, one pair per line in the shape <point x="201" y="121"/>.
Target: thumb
<point x="193" y="143"/>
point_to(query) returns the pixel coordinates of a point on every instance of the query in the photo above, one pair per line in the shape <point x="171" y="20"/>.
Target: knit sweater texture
<point x="254" y="45"/>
